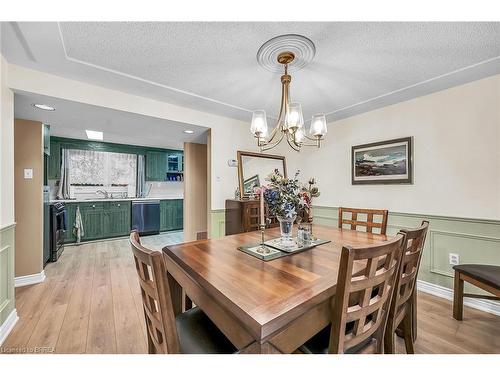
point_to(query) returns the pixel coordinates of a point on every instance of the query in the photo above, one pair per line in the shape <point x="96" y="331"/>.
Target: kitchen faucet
<point x="104" y="192"/>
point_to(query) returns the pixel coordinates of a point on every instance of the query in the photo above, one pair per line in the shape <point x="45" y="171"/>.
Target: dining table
<point x="261" y="306"/>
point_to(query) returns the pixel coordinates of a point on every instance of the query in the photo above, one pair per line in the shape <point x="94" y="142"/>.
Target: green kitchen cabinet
<point x="99" y="219"/>
<point x="46" y="139"/>
<point x="54" y="160"/>
<point x="93" y="220"/>
<point x="117" y="219"/>
<point x="175" y="163"/>
<point x="166" y="215"/>
<point x="171" y="214"/>
<point x="156" y="166"/>
<point x="70" y="220"/>
<point x="178" y="213"/>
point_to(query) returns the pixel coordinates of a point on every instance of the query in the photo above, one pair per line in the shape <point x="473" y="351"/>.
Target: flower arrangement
<point x="307" y="193"/>
<point x="286" y="197"/>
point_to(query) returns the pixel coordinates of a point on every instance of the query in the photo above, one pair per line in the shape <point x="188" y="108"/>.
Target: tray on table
<point x="273" y="248"/>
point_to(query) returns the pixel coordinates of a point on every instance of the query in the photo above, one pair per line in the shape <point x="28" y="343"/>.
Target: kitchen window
<point x="90" y="171"/>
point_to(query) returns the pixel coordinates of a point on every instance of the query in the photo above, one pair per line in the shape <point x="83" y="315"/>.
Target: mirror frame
<point x="240" y="154"/>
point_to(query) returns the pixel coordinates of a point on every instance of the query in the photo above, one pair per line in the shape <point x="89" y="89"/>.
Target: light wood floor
<point x="90" y="303"/>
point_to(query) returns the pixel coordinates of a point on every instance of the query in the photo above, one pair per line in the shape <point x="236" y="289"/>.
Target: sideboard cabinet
<point x="243" y="215"/>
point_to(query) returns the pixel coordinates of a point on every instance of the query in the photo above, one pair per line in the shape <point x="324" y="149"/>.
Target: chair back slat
<point x="355" y="300"/>
<point x="349" y="216"/>
<point x="156" y="298"/>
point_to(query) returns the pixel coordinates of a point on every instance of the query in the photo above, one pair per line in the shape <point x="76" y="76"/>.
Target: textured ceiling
<point x="212" y="66"/>
<point x="70" y="119"/>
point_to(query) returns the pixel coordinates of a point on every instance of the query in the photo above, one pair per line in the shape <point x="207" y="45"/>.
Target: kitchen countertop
<point x="110" y="199"/>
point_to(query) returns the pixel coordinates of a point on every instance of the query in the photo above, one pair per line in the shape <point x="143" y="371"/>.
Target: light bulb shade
<point x="294" y="118"/>
<point x="318" y="126"/>
<point x="259" y="124"/>
<point x="299" y="136"/>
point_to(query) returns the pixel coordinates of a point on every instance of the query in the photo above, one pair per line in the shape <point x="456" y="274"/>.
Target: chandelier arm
<point x="292" y="144"/>
<point x="311" y="139"/>
<point x="270" y="145"/>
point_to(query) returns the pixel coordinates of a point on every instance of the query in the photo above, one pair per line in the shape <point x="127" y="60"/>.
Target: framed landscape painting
<point x="387" y="162"/>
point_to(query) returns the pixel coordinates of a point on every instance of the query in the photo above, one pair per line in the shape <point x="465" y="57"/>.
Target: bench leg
<point x="458" y="297"/>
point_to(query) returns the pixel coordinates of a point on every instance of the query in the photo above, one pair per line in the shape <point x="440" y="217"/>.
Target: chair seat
<point x="320" y="342"/>
<point x="198" y="335"/>
<point x="486" y="274"/>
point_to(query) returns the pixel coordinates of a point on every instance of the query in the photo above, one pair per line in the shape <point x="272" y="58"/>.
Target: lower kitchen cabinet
<point x="70" y="220"/>
<point x="171" y="214"/>
<point x="117" y="219"/>
<point x="99" y="219"/>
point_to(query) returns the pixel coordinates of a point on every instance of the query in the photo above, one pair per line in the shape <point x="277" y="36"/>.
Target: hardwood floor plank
<point x="129" y="335"/>
<point x="46" y="332"/>
<point x="34" y="301"/>
<point x="101" y="337"/>
<point x="73" y="335"/>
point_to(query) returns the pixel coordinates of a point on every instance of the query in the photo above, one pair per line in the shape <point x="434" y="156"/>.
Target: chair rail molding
<point x="36" y="278"/>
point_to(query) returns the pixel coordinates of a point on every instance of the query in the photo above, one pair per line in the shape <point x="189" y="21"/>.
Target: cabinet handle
<point x="118" y="204"/>
<point x="93" y="206"/>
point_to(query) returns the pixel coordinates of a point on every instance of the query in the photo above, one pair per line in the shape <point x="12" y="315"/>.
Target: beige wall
<point x="195" y="190"/>
<point x="456" y="154"/>
<point x="28" y="153"/>
<point x="6" y="148"/>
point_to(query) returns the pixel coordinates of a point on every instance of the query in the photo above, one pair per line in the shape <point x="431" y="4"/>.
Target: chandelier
<point x="290" y="122"/>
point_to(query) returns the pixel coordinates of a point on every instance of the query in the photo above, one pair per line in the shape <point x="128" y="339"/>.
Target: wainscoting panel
<point x="7" y="301"/>
<point x="217" y="223"/>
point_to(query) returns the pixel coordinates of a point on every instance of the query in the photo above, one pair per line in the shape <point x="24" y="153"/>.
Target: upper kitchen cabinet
<point x="175" y="163"/>
<point x="54" y="171"/>
<point x="156" y="166"/>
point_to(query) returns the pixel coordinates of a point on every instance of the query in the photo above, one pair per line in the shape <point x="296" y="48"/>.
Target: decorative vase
<point x="286" y="227"/>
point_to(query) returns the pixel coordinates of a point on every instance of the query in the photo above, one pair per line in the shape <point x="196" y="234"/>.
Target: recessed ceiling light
<point x="45" y="107"/>
<point x="93" y="134"/>
<point x="189" y="131"/>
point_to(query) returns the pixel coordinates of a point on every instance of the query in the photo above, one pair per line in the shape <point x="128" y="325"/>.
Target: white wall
<point x="228" y="135"/>
<point x="6" y="148"/>
<point x="456" y="154"/>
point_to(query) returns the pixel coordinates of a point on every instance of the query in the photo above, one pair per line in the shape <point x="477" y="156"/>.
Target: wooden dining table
<point x="261" y="307"/>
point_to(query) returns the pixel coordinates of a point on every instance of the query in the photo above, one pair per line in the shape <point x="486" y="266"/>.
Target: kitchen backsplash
<point x="167" y="189"/>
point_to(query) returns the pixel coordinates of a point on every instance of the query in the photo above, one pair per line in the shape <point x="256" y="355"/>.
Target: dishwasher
<point x="146" y="216"/>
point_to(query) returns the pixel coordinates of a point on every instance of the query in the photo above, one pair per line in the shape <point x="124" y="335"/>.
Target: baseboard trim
<point x="8" y="325"/>
<point x="491" y="307"/>
<point x="29" y="279"/>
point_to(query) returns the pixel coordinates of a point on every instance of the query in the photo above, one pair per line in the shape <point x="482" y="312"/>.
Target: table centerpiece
<point x="286" y="198"/>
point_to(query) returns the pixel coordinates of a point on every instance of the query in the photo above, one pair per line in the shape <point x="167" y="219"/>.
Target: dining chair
<point x="189" y="332"/>
<point x="402" y="311"/>
<point x="359" y="317"/>
<point x="353" y="219"/>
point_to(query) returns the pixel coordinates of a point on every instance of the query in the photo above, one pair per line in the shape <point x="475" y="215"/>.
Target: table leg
<point x="176" y="294"/>
<point x="188" y="304"/>
<point x="256" y="348"/>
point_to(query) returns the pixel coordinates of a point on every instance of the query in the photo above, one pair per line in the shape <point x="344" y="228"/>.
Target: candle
<point x="262" y="222"/>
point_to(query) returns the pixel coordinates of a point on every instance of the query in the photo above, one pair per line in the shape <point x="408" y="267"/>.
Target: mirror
<point x="253" y="169"/>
